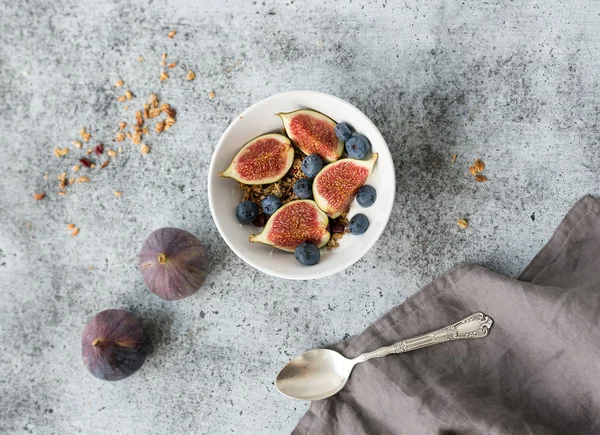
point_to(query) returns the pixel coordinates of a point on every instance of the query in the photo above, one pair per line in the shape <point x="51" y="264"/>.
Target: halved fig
<point x="313" y="133"/>
<point x="263" y="160"/>
<point x="294" y="223"/>
<point x="336" y="184"/>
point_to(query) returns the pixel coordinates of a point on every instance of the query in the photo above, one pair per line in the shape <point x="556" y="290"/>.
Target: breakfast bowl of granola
<point x="301" y="185"/>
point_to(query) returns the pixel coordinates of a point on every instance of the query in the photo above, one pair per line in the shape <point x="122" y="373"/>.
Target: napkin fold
<point x="537" y="372"/>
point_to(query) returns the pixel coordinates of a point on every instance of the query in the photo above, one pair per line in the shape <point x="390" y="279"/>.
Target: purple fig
<point x="114" y="345"/>
<point x="174" y="263"/>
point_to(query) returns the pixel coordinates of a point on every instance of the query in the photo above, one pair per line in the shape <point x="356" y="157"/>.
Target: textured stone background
<point x="512" y="82"/>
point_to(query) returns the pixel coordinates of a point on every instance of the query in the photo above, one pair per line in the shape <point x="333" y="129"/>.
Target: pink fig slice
<point x="336" y="184"/>
<point x="294" y="223"/>
<point x="263" y="160"/>
<point x="313" y="133"/>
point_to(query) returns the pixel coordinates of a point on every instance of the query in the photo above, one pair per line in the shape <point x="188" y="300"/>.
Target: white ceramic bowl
<point x="224" y="194"/>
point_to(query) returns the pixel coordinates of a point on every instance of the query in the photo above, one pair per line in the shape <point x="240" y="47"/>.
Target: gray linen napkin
<point x="537" y="372"/>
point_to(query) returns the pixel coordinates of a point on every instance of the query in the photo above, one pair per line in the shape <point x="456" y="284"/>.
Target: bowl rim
<point x="384" y="154"/>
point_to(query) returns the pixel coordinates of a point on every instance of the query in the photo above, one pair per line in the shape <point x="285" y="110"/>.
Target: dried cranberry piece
<point x="337" y="227"/>
<point x="86" y="163"/>
<point x="260" y="220"/>
<point x="99" y="149"/>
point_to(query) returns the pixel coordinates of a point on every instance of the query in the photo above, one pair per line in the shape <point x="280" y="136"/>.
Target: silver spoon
<point x="321" y="373"/>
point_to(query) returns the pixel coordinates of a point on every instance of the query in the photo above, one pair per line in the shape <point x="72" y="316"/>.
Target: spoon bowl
<point x="321" y="373"/>
<point x="314" y="375"/>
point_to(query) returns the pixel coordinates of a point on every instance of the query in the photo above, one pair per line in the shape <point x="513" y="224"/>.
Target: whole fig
<point x="174" y="263"/>
<point x="113" y="345"/>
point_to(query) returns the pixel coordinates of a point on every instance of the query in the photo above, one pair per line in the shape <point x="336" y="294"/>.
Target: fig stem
<point x="162" y="258"/>
<point x="96" y="342"/>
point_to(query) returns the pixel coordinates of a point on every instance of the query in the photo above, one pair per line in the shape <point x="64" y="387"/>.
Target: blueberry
<point x="342" y="131"/>
<point x="358" y="146"/>
<point x="311" y="165"/>
<point x="307" y="253"/>
<point x="303" y="188"/>
<point x="270" y="204"/>
<point x="366" y="196"/>
<point x="246" y="211"/>
<point x="358" y="224"/>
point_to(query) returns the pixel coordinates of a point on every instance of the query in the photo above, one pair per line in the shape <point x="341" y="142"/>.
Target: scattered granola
<point x="121" y="98"/>
<point x="164" y="76"/>
<point x="119" y="83"/>
<point x="153" y="100"/>
<point x="190" y="75"/>
<point x="120" y="137"/>
<point x="170" y="121"/>
<point x="172" y="65"/>
<point x="111" y="153"/>
<point x="172" y="34"/>
<point x="154" y="112"/>
<point x="472" y="170"/>
<point x="70" y="226"/>
<point x="76" y="143"/>
<point x="159" y="127"/>
<point x="74" y="232"/>
<point x="83" y="180"/>
<point x="164" y="56"/>
<point x="140" y="59"/>
<point x="463" y="223"/>
<point x="86" y="136"/>
<point x="117" y="193"/>
<point x="62" y="192"/>
<point x="60" y="152"/>
<point x="104" y="164"/>
<point x="480" y="178"/>
<point x="128" y="95"/>
<point x="454" y="158"/>
<point x="479" y="165"/>
<point x="39" y="196"/>
<point x="144" y="149"/>
<point x="211" y="95"/>
<point x="76" y="168"/>
<point x="62" y="176"/>
<point x="122" y="125"/>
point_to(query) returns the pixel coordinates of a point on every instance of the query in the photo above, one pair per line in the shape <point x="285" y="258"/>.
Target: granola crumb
<point x="138" y="118"/>
<point x="111" y="153"/>
<point x="76" y="143"/>
<point x="90" y="151"/>
<point x="70" y="226"/>
<point x="163" y="76"/>
<point x="72" y="180"/>
<point x="144" y="149"/>
<point x="121" y="98"/>
<point x="479" y="165"/>
<point x="154" y="112"/>
<point x="117" y="193"/>
<point x="153" y="100"/>
<point x="170" y="121"/>
<point x="62" y="176"/>
<point x="63" y="184"/>
<point x="164" y="56"/>
<point x="172" y="65"/>
<point x="463" y="223"/>
<point x="120" y="137"/>
<point x="86" y="137"/>
<point x="172" y="34"/>
<point x="136" y="138"/>
<point x="211" y="95"/>
<point x="39" y="196"/>
<point x="45" y="176"/>
<point x="140" y="59"/>
<point x="454" y="158"/>
<point x="104" y="164"/>
<point x="122" y="125"/>
<point x="191" y="75"/>
<point x="62" y="192"/>
<point x="76" y="168"/>
<point x="472" y="170"/>
<point x="126" y="108"/>
<point x="128" y="95"/>
<point x="74" y="232"/>
<point x="83" y="180"/>
<point x="159" y="127"/>
<point x="119" y="83"/>
<point x="60" y="152"/>
<point x="481" y="178"/>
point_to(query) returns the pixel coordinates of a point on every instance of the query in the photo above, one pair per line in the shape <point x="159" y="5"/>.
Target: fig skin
<point x="113" y="345"/>
<point x="174" y="263"/>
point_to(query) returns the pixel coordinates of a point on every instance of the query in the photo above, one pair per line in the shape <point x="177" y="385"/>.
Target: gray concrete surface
<point x="512" y="82"/>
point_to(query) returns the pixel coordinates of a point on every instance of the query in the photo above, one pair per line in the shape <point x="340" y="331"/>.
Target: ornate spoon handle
<point x="477" y="325"/>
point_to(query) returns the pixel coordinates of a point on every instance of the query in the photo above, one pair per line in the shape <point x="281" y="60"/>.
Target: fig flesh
<point x="313" y="133"/>
<point x="174" y="263"/>
<point x="294" y="223"/>
<point x="336" y="184"/>
<point x="113" y="345"/>
<point x="263" y="160"/>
